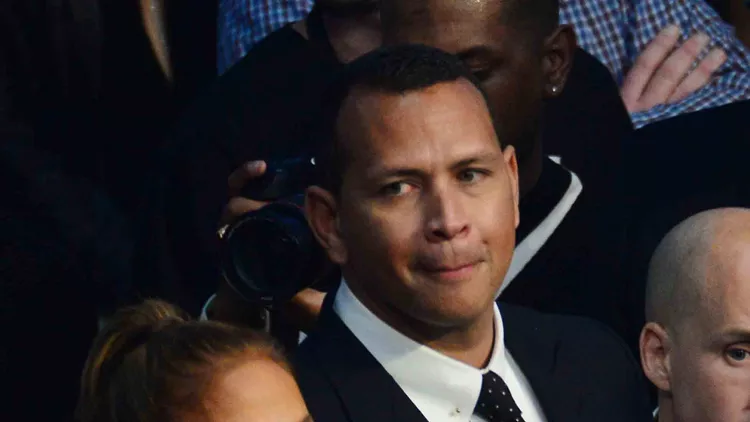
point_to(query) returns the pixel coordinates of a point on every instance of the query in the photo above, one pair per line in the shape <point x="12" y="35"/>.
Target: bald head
<point x="696" y="263"/>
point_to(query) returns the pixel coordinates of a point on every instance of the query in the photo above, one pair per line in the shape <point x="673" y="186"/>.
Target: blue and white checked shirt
<point x="242" y="23"/>
<point x="614" y="31"/>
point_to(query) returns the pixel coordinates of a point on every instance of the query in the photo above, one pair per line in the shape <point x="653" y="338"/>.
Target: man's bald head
<point x="541" y="17"/>
<point x="693" y="262"/>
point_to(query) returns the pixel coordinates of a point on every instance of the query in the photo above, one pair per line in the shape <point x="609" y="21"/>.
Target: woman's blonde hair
<point x="151" y="363"/>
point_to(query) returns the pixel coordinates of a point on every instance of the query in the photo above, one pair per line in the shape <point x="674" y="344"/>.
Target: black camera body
<point x="270" y="255"/>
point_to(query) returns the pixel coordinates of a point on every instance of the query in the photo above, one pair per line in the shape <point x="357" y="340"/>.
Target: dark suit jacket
<point x="577" y="368"/>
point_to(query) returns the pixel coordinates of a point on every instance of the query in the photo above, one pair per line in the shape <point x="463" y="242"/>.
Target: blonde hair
<point x="151" y="363"/>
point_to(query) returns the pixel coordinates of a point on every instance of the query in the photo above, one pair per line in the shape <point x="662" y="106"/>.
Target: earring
<point x="554" y="89"/>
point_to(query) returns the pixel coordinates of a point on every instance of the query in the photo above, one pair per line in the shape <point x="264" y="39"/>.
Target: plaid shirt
<point x="242" y="23"/>
<point x="614" y="31"/>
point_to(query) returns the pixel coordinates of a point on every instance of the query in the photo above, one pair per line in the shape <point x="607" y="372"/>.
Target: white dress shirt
<point x="442" y="388"/>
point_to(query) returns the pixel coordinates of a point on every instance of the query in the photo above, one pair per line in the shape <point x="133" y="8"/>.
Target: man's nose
<point x="446" y="216"/>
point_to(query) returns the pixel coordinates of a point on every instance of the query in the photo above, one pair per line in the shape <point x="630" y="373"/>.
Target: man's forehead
<point x="373" y="106"/>
<point x="374" y="123"/>
<point x="448" y="28"/>
<point x="345" y="3"/>
<point x="726" y="292"/>
<point x="438" y="9"/>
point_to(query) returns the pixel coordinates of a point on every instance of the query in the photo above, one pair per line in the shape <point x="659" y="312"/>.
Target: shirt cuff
<point x="206" y="307"/>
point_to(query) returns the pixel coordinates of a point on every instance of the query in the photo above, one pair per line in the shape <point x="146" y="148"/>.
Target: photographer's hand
<point x="228" y="306"/>
<point x="303" y="309"/>
<point x="239" y="205"/>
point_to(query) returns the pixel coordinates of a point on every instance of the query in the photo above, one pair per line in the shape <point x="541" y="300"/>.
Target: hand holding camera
<point x="270" y="256"/>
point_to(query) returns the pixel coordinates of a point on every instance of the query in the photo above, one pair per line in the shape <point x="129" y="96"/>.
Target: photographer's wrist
<point x="227" y="306"/>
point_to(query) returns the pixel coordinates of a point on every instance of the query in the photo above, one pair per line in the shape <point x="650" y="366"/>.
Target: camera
<point x="270" y="255"/>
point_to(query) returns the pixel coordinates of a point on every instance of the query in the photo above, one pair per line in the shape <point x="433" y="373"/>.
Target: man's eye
<point x="471" y="175"/>
<point x="395" y="189"/>
<point x="482" y="74"/>
<point x="738" y="355"/>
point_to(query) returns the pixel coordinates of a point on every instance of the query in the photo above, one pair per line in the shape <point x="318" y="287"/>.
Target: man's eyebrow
<point x="383" y="172"/>
<point x="735" y="335"/>
<point x="487" y="157"/>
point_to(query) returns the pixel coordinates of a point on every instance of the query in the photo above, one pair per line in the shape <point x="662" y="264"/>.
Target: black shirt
<point x="576" y="271"/>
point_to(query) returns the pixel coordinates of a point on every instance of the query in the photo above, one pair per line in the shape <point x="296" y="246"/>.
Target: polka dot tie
<point x="495" y="402"/>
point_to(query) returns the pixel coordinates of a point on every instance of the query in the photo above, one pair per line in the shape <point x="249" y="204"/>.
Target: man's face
<point x="428" y="205"/>
<point x="510" y="71"/>
<point x="710" y="357"/>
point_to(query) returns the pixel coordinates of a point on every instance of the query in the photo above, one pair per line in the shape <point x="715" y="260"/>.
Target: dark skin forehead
<point x="473" y="22"/>
<point x="473" y="30"/>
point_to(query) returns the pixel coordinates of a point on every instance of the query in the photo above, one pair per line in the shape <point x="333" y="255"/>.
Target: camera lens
<point x="269" y="253"/>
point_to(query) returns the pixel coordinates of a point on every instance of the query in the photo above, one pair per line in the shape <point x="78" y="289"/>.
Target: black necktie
<point x="495" y="402"/>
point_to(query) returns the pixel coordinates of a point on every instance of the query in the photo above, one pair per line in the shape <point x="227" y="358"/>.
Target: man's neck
<point x="664" y="413"/>
<point x="471" y="343"/>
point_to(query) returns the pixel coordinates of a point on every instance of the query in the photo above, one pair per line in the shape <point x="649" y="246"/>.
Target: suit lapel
<point x="535" y="350"/>
<point x="366" y="390"/>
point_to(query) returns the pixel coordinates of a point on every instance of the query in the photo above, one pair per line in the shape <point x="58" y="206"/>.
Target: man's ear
<point x="559" y="51"/>
<point x="509" y="154"/>
<point x="655" y="346"/>
<point x="321" y="211"/>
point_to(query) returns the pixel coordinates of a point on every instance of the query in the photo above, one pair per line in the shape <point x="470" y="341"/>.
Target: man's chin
<point x="453" y="314"/>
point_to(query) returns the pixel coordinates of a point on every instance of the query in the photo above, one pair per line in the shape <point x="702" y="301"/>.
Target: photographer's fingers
<point x="243" y="174"/>
<point x="238" y="206"/>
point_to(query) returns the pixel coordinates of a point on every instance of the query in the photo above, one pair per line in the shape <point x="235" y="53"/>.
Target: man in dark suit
<point x="418" y="205"/>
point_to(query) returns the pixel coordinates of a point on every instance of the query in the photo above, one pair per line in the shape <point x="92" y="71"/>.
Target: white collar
<point x="426" y="376"/>
<point x="528" y="248"/>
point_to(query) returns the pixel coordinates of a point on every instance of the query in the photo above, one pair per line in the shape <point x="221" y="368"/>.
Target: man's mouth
<point x="453" y="272"/>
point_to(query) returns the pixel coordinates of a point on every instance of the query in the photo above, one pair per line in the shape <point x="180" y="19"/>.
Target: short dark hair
<point x="394" y="70"/>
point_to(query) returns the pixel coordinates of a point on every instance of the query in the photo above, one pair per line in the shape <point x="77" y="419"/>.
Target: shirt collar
<point x="437" y="384"/>
<point x="548" y="204"/>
